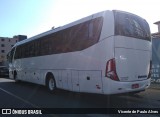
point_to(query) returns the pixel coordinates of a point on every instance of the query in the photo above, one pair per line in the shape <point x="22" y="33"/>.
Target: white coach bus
<point x="105" y="53"/>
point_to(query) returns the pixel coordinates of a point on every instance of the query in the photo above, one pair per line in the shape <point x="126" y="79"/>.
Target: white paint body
<point x="84" y="71"/>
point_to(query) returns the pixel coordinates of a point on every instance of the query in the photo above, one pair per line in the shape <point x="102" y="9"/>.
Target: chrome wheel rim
<point x="51" y="84"/>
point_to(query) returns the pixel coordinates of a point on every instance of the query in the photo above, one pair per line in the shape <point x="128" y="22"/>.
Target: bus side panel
<point x="66" y="79"/>
<point x="58" y="78"/>
<point x="94" y="62"/>
<point x="27" y="71"/>
<point x="90" y="81"/>
<point x="75" y="81"/>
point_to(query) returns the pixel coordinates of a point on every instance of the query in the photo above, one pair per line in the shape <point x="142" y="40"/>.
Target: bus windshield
<point x="131" y="26"/>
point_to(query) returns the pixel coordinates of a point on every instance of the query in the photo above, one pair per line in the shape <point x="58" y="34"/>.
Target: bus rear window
<point x="131" y="26"/>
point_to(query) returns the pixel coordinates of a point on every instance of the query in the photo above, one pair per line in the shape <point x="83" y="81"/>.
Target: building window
<point x="2" y="45"/>
<point x="2" y="39"/>
<point x="3" y="51"/>
<point x="9" y="40"/>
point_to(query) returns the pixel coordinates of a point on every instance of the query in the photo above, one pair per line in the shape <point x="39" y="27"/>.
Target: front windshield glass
<point x="131" y="25"/>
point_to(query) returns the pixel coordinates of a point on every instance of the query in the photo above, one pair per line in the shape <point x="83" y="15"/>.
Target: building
<point x="157" y="34"/>
<point x="156" y="55"/>
<point x="6" y="44"/>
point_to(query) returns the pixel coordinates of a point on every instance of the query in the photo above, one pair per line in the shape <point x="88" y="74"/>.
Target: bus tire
<point x="51" y="84"/>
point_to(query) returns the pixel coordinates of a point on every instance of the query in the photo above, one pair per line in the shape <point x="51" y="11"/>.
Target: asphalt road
<point x="27" y="95"/>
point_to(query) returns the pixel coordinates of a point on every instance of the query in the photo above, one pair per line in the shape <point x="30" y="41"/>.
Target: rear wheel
<point x="51" y="84"/>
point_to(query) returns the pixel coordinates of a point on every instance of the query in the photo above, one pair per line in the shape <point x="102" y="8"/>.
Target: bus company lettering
<point x="34" y="112"/>
<point x="14" y="111"/>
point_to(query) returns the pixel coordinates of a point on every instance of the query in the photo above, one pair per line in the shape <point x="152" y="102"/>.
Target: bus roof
<point x="60" y="28"/>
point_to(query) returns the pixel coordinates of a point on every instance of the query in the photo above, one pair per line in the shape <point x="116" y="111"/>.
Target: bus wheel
<point x="51" y="84"/>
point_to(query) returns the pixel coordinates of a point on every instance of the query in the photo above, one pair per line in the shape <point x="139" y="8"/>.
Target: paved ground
<point x="27" y="95"/>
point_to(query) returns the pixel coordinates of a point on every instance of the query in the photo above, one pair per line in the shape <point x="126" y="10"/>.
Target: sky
<point x="32" y="17"/>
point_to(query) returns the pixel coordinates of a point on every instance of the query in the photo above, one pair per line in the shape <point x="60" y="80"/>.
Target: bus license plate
<point x="134" y="86"/>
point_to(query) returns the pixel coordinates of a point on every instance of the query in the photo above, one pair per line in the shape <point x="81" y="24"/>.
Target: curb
<point x="155" y="86"/>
